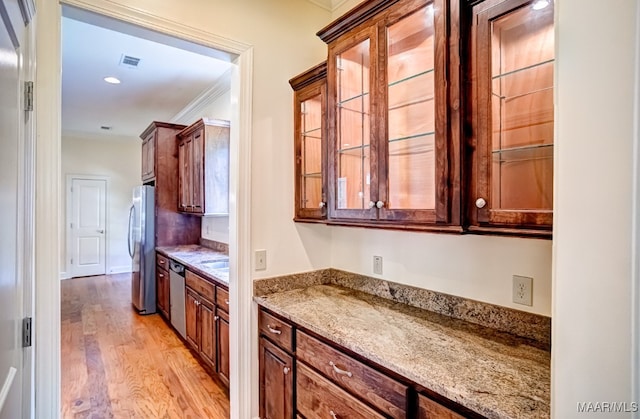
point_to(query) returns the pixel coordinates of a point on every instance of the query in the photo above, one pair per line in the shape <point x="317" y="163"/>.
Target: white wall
<point x="118" y="159"/>
<point x="592" y="273"/>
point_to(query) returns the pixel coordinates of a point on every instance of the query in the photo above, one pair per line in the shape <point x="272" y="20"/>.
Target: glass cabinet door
<point x="310" y="143"/>
<point x="414" y="129"/>
<point x="515" y="40"/>
<point x="350" y="74"/>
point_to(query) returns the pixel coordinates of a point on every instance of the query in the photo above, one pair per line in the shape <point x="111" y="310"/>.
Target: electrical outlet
<point x="377" y="265"/>
<point x="261" y="260"/>
<point x="522" y="290"/>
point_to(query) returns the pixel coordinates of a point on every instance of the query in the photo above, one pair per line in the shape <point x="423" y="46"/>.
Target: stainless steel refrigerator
<point x="142" y="250"/>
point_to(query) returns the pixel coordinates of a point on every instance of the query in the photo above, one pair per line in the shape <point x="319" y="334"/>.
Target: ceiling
<point x="166" y="79"/>
<point x="171" y="73"/>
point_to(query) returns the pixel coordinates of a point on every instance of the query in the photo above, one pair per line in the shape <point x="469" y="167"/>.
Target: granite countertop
<point x="195" y="257"/>
<point x="490" y="372"/>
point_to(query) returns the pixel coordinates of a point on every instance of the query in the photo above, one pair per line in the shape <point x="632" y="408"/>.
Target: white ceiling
<point x="166" y="80"/>
<point x="170" y="75"/>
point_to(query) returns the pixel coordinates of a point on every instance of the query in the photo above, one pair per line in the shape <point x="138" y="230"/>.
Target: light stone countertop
<point x="492" y="373"/>
<point x="193" y="256"/>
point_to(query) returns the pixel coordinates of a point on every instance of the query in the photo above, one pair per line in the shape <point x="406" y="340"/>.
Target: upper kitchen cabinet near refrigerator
<point x="310" y="143"/>
<point x="393" y="76"/>
<point x="154" y="147"/>
<point x="511" y="115"/>
<point x="160" y="147"/>
<point x="203" y="175"/>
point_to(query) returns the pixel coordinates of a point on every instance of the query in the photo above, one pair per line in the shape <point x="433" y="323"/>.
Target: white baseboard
<point x="120" y="269"/>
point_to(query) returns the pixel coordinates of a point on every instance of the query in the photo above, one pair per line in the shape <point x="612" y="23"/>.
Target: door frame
<point x="69" y="268"/>
<point x="244" y="399"/>
<point x="25" y="201"/>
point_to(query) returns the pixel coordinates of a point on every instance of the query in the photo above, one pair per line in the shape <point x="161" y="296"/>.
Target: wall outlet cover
<point x="523" y="290"/>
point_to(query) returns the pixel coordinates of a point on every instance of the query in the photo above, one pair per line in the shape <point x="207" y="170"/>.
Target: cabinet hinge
<point x="28" y="96"/>
<point x="26" y="332"/>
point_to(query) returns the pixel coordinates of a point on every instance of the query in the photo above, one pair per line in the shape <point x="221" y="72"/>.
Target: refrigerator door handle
<point x="130" y="231"/>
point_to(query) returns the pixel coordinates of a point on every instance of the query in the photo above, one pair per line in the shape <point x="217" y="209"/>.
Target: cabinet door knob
<point x="322" y="204"/>
<point x="100" y="231"/>
<point x="286" y="370"/>
<point x="480" y="203"/>
<point x="226" y="302"/>
<point x="379" y="204"/>
<point x="216" y="318"/>
<point x="372" y="204"/>
<point x="333" y="415"/>
<point x="340" y="371"/>
<point x="161" y="275"/>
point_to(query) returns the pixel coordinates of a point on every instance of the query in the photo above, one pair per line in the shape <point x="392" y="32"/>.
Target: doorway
<point x="86" y="225"/>
<point x="48" y="329"/>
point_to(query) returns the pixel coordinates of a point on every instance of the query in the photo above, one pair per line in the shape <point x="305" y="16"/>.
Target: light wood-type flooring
<point x="118" y="364"/>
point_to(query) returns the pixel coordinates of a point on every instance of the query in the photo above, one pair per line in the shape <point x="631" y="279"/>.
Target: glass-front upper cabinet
<point x="512" y="111"/>
<point x="310" y="143"/>
<point x="388" y="87"/>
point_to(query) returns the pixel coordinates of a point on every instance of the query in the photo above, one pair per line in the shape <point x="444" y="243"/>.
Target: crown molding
<point x="194" y="109"/>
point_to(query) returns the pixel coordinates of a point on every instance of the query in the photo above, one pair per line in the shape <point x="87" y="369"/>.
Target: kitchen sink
<point x="215" y="264"/>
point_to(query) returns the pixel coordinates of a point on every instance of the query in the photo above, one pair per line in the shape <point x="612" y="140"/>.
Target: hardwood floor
<point x="118" y="364"/>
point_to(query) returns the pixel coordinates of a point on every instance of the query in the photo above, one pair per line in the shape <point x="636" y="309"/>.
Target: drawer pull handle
<point x="333" y="415"/>
<point x="274" y="330"/>
<point x="286" y="370"/>
<point x="339" y="371"/>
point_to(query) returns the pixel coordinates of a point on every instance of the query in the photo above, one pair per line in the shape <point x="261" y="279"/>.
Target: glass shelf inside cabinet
<point x="411" y="111"/>
<point x="522" y="60"/>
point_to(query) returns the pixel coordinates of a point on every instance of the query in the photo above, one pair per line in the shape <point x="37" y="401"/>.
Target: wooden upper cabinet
<point x="149" y="157"/>
<point x="310" y="143"/>
<point x="511" y="112"/>
<point x="203" y="155"/>
<point x="394" y="150"/>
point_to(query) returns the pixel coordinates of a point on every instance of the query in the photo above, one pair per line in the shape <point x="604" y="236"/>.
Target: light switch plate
<point x="377" y="265"/>
<point x="260" y="260"/>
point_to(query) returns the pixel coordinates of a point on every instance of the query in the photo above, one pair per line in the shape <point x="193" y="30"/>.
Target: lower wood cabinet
<point x="162" y="288"/>
<point x="207" y="324"/>
<point x="222" y="334"/>
<point x="201" y="332"/>
<point x="307" y="377"/>
<point x="428" y="409"/>
<point x="276" y="381"/>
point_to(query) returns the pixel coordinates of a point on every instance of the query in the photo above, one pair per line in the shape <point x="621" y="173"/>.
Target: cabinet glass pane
<point x="412" y="173"/>
<point x="353" y="188"/>
<point x="353" y="110"/>
<point x="311" y="133"/>
<point x="522" y="49"/>
<point x="411" y="111"/>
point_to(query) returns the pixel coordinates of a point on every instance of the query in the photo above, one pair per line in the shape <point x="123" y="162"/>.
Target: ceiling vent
<point x="106" y="127"/>
<point x="129" y="61"/>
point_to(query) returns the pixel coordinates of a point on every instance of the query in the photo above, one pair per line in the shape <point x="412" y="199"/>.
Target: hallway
<point x="117" y="364"/>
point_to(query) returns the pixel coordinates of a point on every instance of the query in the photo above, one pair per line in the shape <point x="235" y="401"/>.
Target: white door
<point x="88" y="227"/>
<point x="14" y="399"/>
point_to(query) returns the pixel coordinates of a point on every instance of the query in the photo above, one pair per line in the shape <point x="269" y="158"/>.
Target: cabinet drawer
<point x="381" y="391"/>
<point x="427" y="409"/>
<point x="162" y="261"/>
<point x="275" y="329"/>
<point x="318" y="398"/>
<point x="222" y="298"/>
<point x="200" y="285"/>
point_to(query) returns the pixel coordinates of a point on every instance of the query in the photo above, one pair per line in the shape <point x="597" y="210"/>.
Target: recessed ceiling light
<point x="540" y="4"/>
<point x="112" y="80"/>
